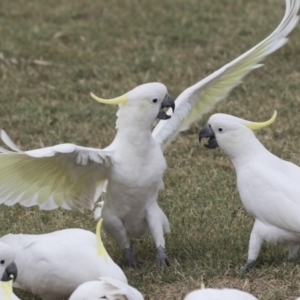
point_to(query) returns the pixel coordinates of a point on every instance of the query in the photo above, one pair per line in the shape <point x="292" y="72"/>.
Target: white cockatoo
<point x="53" y="265"/>
<point x="219" y="294"/>
<point x="106" y="288"/>
<point x="6" y="290"/>
<point x="8" y="268"/>
<point x="131" y="168"/>
<point x="268" y="186"/>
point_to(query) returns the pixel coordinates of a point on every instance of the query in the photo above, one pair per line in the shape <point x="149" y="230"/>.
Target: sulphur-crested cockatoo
<point x="106" y="288"/>
<point x="219" y="294"/>
<point x="53" y="265"/>
<point x="268" y="186"/>
<point x="6" y="291"/>
<point x="131" y="168"/>
<point x="8" y="268"/>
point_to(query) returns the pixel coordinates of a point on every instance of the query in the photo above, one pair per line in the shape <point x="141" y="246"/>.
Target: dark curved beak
<point x="11" y="270"/>
<point x="167" y="102"/>
<point x="207" y="132"/>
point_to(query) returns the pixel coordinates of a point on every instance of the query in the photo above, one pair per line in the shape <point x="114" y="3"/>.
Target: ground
<point x="53" y="54"/>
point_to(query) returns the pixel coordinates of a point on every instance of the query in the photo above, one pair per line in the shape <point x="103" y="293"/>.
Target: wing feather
<point x="202" y="97"/>
<point x="66" y="175"/>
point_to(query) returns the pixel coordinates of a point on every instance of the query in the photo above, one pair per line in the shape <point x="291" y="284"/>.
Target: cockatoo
<point x="219" y="294"/>
<point x="131" y="168"/>
<point x="53" y="265"/>
<point x="106" y="288"/>
<point x="8" y="267"/>
<point x="6" y="290"/>
<point x="268" y="186"/>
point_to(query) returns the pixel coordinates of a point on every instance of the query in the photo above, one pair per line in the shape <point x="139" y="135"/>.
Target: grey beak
<point x="11" y="269"/>
<point x="167" y="102"/>
<point x="207" y="132"/>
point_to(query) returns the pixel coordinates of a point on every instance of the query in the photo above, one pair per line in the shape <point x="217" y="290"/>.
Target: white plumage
<point x="130" y="170"/>
<point x="268" y="186"/>
<point x="106" y="288"/>
<point x="53" y="265"/>
<point x="219" y="294"/>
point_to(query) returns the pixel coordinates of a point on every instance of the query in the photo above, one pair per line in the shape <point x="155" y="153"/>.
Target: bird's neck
<point x="138" y="137"/>
<point x="133" y="121"/>
<point x="244" y="151"/>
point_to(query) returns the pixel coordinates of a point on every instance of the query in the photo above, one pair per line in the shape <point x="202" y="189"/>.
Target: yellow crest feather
<point x="7" y="289"/>
<point x="100" y="247"/>
<point x="258" y="125"/>
<point x="118" y="100"/>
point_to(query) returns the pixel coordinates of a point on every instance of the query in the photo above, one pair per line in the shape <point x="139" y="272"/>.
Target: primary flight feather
<point x="131" y="168"/>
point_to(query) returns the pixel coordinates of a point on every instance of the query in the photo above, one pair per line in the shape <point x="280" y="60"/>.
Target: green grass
<point x="109" y="47"/>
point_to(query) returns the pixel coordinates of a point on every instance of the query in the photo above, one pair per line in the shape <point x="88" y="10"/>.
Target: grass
<point x="54" y="53"/>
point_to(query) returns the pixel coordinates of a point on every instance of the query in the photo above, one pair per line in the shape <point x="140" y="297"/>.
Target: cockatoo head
<point x="230" y="133"/>
<point x="8" y="268"/>
<point x="142" y="105"/>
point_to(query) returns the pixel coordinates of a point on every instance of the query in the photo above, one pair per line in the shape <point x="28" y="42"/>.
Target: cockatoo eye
<point x="220" y="129"/>
<point x="2" y="262"/>
<point x="154" y="100"/>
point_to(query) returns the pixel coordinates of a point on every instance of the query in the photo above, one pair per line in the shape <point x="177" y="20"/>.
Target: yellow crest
<point x="7" y="289"/>
<point x="258" y="125"/>
<point x="118" y="100"/>
<point x="100" y="247"/>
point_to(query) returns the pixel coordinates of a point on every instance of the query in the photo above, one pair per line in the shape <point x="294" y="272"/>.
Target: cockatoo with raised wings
<point x="131" y="168"/>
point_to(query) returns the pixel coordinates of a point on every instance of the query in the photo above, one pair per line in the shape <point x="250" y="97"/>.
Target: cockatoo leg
<point x="129" y="256"/>
<point x="255" y="243"/>
<point x="115" y="228"/>
<point x="293" y="249"/>
<point x="162" y="258"/>
<point x="158" y="224"/>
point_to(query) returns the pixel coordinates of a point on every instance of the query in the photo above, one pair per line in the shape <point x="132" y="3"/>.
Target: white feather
<point x="106" y="288"/>
<point x="219" y="294"/>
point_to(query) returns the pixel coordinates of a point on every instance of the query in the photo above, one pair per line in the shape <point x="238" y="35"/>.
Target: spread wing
<point x="66" y="175"/>
<point x="203" y="96"/>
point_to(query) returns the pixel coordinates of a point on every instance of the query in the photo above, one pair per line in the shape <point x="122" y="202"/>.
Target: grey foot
<point x="250" y="264"/>
<point x="162" y="258"/>
<point x="129" y="257"/>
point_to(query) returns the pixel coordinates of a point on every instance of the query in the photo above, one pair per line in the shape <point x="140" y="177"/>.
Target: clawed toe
<point x="250" y="264"/>
<point x="162" y="259"/>
<point x="129" y="257"/>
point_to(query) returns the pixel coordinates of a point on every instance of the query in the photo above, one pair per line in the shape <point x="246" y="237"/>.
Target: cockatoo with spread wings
<point x="131" y="168"/>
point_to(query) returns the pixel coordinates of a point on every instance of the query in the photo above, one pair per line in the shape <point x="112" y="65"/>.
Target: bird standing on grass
<point x="53" y="265"/>
<point x="131" y="168"/>
<point x="268" y="186"/>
